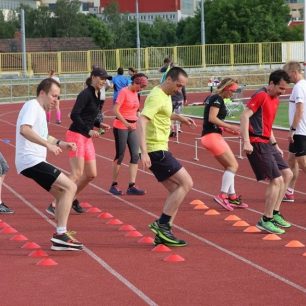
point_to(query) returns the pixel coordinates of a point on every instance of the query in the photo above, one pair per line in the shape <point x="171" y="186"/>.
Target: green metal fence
<point x="70" y="62"/>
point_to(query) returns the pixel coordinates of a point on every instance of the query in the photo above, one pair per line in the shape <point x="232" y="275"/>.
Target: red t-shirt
<point x="264" y="107"/>
<point x="129" y="105"/>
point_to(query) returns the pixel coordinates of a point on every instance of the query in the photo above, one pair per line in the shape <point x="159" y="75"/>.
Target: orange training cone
<point x="93" y="210"/>
<point x="114" y="222"/>
<point x="196" y="202"/>
<point x="200" y="206"/>
<point x="38" y="253"/>
<point x="47" y="262"/>
<point x="161" y="248"/>
<point x="146" y="240"/>
<point x="85" y="205"/>
<point x="174" y="258"/>
<point x="271" y="237"/>
<point x="30" y="246"/>
<point x="3" y="224"/>
<point x="252" y="229"/>
<point x="241" y="223"/>
<point x="105" y="215"/>
<point x="294" y="244"/>
<point x="8" y="230"/>
<point x="19" y="238"/>
<point x="304" y="254"/>
<point x="127" y="227"/>
<point x="133" y="234"/>
<point x="232" y="218"/>
<point x="212" y="212"/>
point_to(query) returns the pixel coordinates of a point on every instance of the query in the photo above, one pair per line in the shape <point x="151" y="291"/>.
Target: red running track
<point x="223" y="265"/>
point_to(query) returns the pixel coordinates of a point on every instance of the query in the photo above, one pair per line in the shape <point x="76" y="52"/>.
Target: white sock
<point x="61" y="230"/>
<point x="227" y="181"/>
<point x="290" y="190"/>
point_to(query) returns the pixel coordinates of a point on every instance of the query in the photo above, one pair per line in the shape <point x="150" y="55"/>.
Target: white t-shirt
<point x="29" y="154"/>
<point x="298" y="95"/>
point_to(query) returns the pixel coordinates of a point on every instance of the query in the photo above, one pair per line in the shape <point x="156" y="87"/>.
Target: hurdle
<point x="233" y="137"/>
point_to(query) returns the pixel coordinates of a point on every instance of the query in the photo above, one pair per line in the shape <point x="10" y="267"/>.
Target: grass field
<point x="280" y="121"/>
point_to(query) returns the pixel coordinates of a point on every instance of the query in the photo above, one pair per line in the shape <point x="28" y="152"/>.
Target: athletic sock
<point x="275" y="212"/>
<point x="164" y="219"/>
<point x="131" y="185"/>
<point x="227" y="181"/>
<point x="61" y="230"/>
<point x="266" y="219"/>
<point x="114" y="183"/>
<point x="290" y="190"/>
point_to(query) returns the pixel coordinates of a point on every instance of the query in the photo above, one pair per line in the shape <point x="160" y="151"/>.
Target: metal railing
<point x="198" y="56"/>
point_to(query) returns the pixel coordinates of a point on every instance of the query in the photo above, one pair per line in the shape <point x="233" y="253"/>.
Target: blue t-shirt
<point x="119" y="81"/>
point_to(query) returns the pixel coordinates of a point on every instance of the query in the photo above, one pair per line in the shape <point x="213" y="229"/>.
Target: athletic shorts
<point x="85" y="147"/>
<point x="43" y="174"/>
<point x="3" y="165"/>
<point x="266" y="161"/>
<point x="215" y="143"/>
<point x="298" y="147"/>
<point x="164" y="165"/>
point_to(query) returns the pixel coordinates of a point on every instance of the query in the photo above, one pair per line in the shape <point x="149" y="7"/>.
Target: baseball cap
<point x="100" y="72"/>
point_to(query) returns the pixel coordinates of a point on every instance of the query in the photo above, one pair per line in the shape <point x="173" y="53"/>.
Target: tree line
<point x="226" y="21"/>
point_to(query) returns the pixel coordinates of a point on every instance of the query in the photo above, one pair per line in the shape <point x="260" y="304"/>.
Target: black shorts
<point x="298" y="146"/>
<point x="164" y="165"/>
<point x="43" y="174"/>
<point x="266" y="161"/>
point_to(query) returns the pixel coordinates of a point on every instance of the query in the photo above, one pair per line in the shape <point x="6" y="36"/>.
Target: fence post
<point x="260" y="59"/>
<point x="29" y="62"/>
<point x="117" y="58"/>
<point x="59" y="62"/>
<point x="88" y="60"/>
<point x="203" y="56"/>
<point x="232" y="55"/>
<point x="146" y="57"/>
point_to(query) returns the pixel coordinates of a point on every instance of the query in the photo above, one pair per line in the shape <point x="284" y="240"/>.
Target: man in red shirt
<point x="264" y="155"/>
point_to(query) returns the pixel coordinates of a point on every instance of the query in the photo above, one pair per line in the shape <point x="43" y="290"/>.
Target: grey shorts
<point x="266" y="161"/>
<point x="3" y="165"/>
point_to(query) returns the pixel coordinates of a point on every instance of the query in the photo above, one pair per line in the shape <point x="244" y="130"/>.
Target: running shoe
<point x="288" y="197"/>
<point x="65" y="242"/>
<point x="115" y="190"/>
<point x="159" y="240"/>
<point x="269" y="226"/>
<point x="51" y="210"/>
<point x="164" y="232"/>
<point x="77" y="207"/>
<point x="237" y="202"/>
<point x="135" y="191"/>
<point x="5" y="210"/>
<point x="223" y="202"/>
<point x="58" y="122"/>
<point x="172" y="134"/>
<point x="279" y="220"/>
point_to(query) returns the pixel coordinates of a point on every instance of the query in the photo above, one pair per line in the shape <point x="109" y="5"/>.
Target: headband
<point x="233" y="87"/>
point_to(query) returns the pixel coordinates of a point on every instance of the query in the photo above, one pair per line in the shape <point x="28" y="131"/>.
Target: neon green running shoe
<point x="279" y="220"/>
<point x="269" y="226"/>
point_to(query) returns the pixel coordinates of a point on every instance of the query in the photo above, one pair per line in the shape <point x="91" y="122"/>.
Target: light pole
<point x="203" y="23"/>
<point x="138" y="36"/>
<point x="23" y="45"/>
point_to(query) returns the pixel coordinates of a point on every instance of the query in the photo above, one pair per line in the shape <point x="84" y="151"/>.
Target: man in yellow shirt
<point x="154" y="129"/>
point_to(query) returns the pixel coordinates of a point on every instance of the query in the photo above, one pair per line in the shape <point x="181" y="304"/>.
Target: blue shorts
<point x="164" y="165"/>
<point x="266" y="161"/>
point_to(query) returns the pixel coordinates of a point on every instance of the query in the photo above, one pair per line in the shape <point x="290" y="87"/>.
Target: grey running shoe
<point x="5" y="210"/>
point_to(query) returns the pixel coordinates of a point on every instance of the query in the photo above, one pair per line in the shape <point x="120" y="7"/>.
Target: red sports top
<point x="264" y="107"/>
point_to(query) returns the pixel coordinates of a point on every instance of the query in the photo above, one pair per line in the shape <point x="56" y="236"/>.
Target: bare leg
<point x="133" y="172"/>
<point x="272" y="195"/>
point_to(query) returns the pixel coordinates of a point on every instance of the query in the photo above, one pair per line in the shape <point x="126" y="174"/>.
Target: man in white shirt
<point x="297" y="121"/>
<point x="32" y="144"/>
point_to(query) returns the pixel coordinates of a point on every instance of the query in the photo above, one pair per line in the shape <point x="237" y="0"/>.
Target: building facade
<point x="170" y="10"/>
<point x="14" y="4"/>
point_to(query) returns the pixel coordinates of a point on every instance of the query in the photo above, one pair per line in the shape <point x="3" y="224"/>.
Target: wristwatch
<point x="292" y="128"/>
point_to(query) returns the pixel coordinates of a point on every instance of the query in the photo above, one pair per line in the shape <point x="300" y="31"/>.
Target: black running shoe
<point x="51" y="210"/>
<point x="5" y="210"/>
<point x="159" y="240"/>
<point x="164" y="232"/>
<point x="77" y="207"/>
<point x="62" y="242"/>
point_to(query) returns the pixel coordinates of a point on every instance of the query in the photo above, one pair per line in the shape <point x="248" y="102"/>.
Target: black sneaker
<point x="51" y="210"/>
<point x="164" y="232"/>
<point x="135" y="191"/>
<point x="65" y="242"/>
<point x="5" y="210"/>
<point x="77" y="207"/>
<point x="159" y="240"/>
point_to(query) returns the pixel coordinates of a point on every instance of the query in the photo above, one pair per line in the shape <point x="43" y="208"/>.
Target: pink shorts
<point x="85" y="148"/>
<point x="215" y="143"/>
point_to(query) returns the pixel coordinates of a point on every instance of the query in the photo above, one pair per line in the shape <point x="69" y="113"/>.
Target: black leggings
<point x="123" y="138"/>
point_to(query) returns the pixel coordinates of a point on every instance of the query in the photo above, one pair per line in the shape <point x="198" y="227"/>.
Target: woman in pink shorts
<point x="212" y="139"/>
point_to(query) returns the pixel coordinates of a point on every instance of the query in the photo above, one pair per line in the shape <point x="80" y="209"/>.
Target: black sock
<point x="164" y="219"/>
<point x="114" y="183"/>
<point x="275" y="212"/>
<point x="131" y="185"/>
<point x="266" y="218"/>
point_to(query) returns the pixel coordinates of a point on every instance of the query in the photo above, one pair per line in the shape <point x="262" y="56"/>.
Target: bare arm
<point x="141" y="129"/>
<point x="244" y="128"/>
<point x="296" y="119"/>
<point x="185" y="120"/>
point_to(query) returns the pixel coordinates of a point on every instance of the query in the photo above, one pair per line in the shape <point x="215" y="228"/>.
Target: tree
<point x="8" y="28"/>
